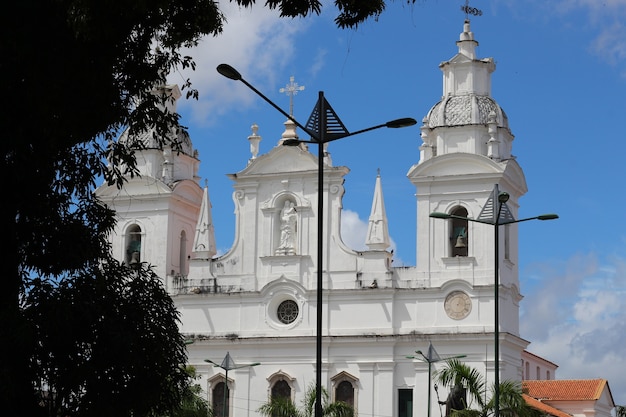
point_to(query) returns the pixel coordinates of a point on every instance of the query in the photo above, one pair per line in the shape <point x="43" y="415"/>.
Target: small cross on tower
<point x="291" y="90"/>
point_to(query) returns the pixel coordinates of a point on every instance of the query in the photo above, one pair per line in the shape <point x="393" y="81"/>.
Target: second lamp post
<point x="495" y="213"/>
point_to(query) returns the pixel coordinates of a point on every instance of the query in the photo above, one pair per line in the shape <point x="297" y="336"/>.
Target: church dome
<point x="150" y="142"/>
<point x="467" y="109"/>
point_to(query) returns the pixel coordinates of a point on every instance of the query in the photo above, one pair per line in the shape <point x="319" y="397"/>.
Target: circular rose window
<point x="287" y="311"/>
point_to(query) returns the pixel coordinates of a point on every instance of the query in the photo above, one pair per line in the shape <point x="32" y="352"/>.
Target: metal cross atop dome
<point x="291" y="90"/>
<point x="468" y="10"/>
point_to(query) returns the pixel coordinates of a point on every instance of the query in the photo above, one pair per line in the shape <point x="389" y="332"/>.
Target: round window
<point x="287" y="311"/>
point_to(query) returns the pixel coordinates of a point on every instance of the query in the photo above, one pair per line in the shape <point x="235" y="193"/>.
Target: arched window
<point x="344" y="388"/>
<point x="133" y="245"/>
<point x="219" y="394"/>
<point x="527" y="370"/>
<point x="345" y="392"/>
<point x="220" y="400"/>
<point x="460" y="233"/>
<point x="281" y="389"/>
<point x="182" y="258"/>
<point x="281" y="386"/>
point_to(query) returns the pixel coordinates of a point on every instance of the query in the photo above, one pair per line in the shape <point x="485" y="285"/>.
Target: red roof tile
<point x="545" y="408"/>
<point x="564" y="389"/>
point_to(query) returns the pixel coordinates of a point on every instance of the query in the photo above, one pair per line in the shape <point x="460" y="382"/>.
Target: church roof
<point x="543" y="407"/>
<point x="566" y="390"/>
<point x="464" y="110"/>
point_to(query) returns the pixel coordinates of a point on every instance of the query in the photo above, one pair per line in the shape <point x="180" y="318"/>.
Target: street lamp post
<point x="228" y="364"/>
<point x="496" y="214"/>
<point x="323" y="126"/>
<point x="430" y="358"/>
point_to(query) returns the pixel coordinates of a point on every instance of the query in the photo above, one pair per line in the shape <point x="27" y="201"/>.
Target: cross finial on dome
<point x="468" y="10"/>
<point x="291" y="90"/>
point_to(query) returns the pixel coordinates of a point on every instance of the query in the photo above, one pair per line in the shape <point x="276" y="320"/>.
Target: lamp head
<point x="229" y="72"/>
<point x="398" y="123"/>
<point x="503" y="197"/>
<point x="550" y="216"/>
<point x="439" y="215"/>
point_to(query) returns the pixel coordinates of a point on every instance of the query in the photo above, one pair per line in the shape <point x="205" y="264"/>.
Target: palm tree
<point x="465" y="379"/>
<point x="284" y="407"/>
<point x="192" y="403"/>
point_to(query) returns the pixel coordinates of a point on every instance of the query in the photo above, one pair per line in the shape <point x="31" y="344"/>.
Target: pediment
<point x="455" y="164"/>
<point x="457" y="59"/>
<point x="188" y="189"/>
<point x="459" y="165"/>
<point x="134" y="186"/>
<point x="281" y="159"/>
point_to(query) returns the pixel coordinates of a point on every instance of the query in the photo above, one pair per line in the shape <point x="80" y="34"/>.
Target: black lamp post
<point x="228" y="364"/>
<point x="323" y="126"/>
<point x="496" y="214"/>
<point x="430" y="358"/>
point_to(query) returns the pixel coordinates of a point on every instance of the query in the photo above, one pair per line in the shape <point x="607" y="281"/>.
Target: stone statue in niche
<point x="288" y="222"/>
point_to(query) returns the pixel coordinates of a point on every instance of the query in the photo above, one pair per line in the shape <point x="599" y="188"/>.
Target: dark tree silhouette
<point x="75" y="74"/>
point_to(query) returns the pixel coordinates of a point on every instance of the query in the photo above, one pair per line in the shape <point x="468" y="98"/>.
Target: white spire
<point x="204" y="241"/>
<point x="466" y="43"/>
<point x="377" y="229"/>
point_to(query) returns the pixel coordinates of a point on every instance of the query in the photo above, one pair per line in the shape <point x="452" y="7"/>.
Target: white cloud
<point x="353" y="230"/>
<point x="257" y="42"/>
<point x="575" y="316"/>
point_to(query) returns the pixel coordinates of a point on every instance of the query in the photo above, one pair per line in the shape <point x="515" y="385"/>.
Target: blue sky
<point x="561" y="79"/>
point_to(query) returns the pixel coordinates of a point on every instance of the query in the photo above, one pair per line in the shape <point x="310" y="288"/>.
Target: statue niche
<point x="288" y="220"/>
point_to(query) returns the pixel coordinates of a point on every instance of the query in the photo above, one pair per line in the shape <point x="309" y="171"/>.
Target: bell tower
<point x="464" y="157"/>
<point x="157" y="211"/>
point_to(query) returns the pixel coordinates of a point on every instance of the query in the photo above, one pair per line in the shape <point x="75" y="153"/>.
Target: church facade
<point x="257" y="303"/>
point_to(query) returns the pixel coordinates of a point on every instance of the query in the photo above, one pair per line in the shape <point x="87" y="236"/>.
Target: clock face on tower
<point x="458" y="305"/>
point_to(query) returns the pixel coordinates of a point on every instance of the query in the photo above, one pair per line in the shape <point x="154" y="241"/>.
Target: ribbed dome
<point x="467" y="109"/>
<point x="149" y="142"/>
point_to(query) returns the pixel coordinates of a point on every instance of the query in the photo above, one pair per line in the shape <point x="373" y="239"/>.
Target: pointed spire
<point x="204" y="241"/>
<point x="377" y="229"/>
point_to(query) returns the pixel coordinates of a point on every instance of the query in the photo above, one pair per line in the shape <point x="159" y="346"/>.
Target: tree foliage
<point x="481" y="402"/>
<point x="76" y="73"/>
<point x="108" y="344"/>
<point x="284" y="407"/>
<point x="193" y="404"/>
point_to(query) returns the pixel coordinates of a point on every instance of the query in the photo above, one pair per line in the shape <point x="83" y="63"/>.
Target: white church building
<point x="258" y="301"/>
